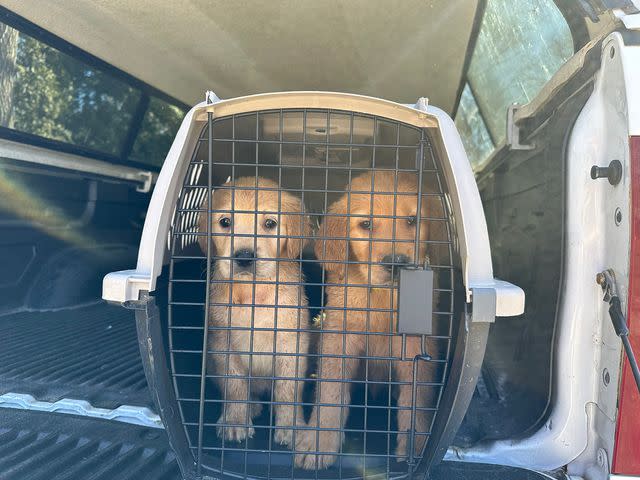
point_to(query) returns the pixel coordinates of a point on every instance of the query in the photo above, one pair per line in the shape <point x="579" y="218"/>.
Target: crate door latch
<point x="415" y="302"/>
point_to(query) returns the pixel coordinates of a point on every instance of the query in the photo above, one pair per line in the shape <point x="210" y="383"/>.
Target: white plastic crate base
<point x="485" y="297"/>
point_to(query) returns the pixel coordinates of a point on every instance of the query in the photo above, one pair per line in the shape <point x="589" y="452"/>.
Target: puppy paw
<point x="229" y="428"/>
<point x="307" y="445"/>
<point x="402" y="448"/>
<point x="283" y="436"/>
<point x="286" y="418"/>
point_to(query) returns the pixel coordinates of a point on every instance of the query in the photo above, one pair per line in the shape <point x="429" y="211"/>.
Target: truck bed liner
<point x="91" y="353"/>
<point x="49" y="446"/>
<point x="88" y="353"/>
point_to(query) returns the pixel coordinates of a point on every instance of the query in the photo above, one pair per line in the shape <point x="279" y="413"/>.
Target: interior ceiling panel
<point x="399" y="50"/>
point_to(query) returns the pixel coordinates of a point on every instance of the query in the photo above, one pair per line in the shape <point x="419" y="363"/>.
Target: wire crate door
<point x="287" y="246"/>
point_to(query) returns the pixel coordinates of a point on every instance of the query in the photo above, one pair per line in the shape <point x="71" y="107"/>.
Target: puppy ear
<point x="202" y="225"/>
<point x="296" y="225"/>
<point x="332" y="246"/>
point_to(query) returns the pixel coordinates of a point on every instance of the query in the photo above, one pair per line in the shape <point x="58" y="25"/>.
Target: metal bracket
<point x="607" y="280"/>
<point x="513" y="131"/>
<point x="630" y="21"/>
<point x="147" y="180"/>
<point x="594" y="8"/>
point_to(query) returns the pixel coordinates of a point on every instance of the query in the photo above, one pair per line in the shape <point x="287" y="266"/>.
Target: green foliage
<point x="58" y="97"/>
<point x="160" y="124"/>
<point x="40" y="94"/>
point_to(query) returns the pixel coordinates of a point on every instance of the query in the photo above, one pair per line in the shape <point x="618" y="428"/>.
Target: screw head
<point x="606" y="378"/>
<point x="618" y="216"/>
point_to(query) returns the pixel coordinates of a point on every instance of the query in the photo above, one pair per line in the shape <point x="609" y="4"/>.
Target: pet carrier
<point x="314" y="287"/>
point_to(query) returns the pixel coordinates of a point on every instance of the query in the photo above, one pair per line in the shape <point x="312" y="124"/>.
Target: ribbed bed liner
<point x="91" y="353"/>
<point x="48" y="446"/>
<point x="88" y="353"/>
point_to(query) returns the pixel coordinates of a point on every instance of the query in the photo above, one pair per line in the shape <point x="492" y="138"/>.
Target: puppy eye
<point x="411" y="221"/>
<point x="366" y="225"/>
<point x="225" y="222"/>
<point x="270" y="224"/>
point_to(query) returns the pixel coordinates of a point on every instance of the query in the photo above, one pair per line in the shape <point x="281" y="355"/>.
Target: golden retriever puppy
<point x="361" y="299"/>
<point x="257" y="303"/>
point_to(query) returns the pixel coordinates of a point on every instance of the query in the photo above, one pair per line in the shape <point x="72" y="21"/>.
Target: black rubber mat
<point x="46" y="446"/>
<point x="89" y="353"/>
<point x="481" y="471"/>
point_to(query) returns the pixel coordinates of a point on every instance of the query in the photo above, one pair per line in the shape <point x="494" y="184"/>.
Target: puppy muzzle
<point x="394" y="263"/>
<point x="244" y="260"/>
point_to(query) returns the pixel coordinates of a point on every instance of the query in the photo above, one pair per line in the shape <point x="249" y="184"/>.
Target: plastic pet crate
<point x="314" y="287"/>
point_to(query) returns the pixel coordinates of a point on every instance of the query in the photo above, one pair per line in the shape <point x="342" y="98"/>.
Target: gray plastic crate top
<point x="499" y="298"/>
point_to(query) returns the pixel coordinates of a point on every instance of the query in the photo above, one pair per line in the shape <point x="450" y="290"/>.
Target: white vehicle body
<point x="579" y="433"/>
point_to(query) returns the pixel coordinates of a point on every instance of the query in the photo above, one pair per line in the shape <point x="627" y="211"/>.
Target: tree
<point x="160" y="125"/>
<point x="48" y="93"/>
<point x="8" y="52"/>
<point x="42" y="92"/>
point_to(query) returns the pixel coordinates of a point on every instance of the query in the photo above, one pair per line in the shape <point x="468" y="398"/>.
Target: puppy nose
<point x="244" y="257"/>
<point x="397" y="261"/>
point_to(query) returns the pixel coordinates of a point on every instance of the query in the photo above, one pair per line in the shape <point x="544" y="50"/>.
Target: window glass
<point x="475" y="136"/>
<point x="521" y="44"/>
<point x="159" y="127"/>
<point x="48" y="93"/>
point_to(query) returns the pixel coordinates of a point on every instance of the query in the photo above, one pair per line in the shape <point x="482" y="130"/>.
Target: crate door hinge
<point x="484" y="302"/>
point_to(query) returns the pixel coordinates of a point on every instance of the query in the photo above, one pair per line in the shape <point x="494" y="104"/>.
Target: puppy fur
<point x="256" y="304"/>
<point x="370" y="286"/>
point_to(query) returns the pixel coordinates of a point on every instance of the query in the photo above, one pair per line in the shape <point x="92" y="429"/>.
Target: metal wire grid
<point x="315" y="155"/>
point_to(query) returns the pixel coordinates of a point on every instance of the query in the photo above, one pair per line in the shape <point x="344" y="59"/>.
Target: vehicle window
<point x="159" y="126"/>
<point x="475" y="136"/>
<point x="56" y="94"/>
<point x="521" y="44"/>
<point x="52" y="95"/>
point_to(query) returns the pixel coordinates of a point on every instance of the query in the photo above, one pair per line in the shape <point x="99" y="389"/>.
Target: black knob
<point x="613" y="172"/>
